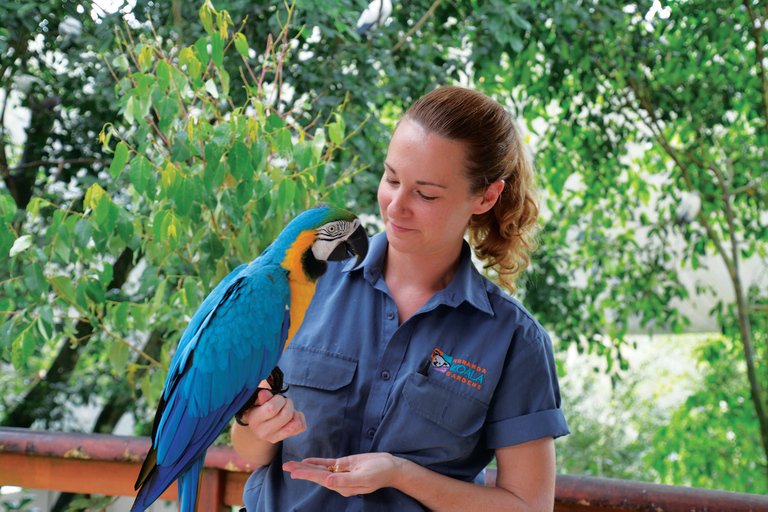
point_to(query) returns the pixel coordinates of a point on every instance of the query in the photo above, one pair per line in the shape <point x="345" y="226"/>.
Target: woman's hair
<point x="504" y="236"/>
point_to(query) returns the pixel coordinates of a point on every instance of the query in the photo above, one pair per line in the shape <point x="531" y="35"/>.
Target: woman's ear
<point x="490" y="196"/>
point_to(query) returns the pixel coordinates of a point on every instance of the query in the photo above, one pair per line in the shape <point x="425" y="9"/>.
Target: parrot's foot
<point x="275" y="381"/>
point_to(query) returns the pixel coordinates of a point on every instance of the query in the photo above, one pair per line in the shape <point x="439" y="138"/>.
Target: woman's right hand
<point x="273" y="418"/>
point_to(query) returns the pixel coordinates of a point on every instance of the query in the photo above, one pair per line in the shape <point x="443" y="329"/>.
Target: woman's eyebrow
<point x="418" y="182"/>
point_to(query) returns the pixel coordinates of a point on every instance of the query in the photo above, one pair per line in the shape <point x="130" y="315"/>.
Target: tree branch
<point x="56" y="163"/>
<point x="759" y="58"/>
<point x="417" y="26"/>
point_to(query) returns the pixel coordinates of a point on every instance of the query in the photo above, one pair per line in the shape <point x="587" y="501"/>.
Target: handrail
<point x="107" y="464"/>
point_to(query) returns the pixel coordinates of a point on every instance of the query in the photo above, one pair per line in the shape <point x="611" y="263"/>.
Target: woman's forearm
<point x="251" y="448"/>
<point x="442" y="493"/>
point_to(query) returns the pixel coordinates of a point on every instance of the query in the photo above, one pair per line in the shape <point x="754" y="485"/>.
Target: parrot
<point x="232" y="342"/>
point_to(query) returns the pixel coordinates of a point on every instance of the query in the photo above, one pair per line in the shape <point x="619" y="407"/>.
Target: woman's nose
<point x="397" y="202"/>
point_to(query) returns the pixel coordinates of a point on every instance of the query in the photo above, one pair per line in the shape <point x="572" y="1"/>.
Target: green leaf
<point x="163" y="73"/>
<point x="35" y="280"/>
<point x="7" y="238"/>
<point x="239" y="161"/>
<point x="63" y="286"/>
<point x="94" y="290"/>
<point x="121" y="315"/>
<point x="22" y="349"/>
<point x="241" y="44"/>
<point x="121" y="63"/>
<point x="125" y="228"/>
<point x="185" y="195"/>
<point x="285" y="193"/>
<point x="190" y="294"/>
<point x="212" y="246"/>
<point x="213" y="174"/>
<point x="318" y="144"/>
<point x="139" y="172"/>
<point x="274" y="123"/>
<point x="169" y="180"/>
<point x="206" y="18"/>
<point x="83" y="231"/>
<point x="258" y="153"/>
<point x="119" y="353"/>
<point x="334" y="131"/>
<point x="20" y="245"/>
<point x="217" y="49"/>
<point x="244" y="192"/>
<point x="171" y="230"/>
<point x="284" y="143"/>
<point x="193" y="68"/>
<point x="159" y="294"/>
<point x="118" y="160"/>
<point x="224" y="76"/>
<point x="7" y="208"/>
<point x="210" y="88"/>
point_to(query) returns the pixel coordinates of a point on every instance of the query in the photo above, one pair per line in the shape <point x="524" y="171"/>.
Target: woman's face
<point x="424" y="196"/>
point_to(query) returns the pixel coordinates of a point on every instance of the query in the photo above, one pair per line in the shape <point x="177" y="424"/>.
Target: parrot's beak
<point x="355" y="245"/>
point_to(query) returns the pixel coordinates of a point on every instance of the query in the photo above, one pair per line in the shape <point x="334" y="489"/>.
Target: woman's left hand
<point x="349" y="476"/>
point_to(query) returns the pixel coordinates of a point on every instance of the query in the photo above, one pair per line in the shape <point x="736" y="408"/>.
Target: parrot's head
<point x="323" y="234"/>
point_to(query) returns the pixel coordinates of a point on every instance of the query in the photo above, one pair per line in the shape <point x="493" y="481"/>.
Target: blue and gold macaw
<point x="233" y="341"/>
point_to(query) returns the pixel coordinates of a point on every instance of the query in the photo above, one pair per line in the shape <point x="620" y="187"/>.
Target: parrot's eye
<point x="331" y="229"/>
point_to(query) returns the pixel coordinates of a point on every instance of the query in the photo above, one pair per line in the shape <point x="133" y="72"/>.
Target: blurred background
<point x="149" y="147"/>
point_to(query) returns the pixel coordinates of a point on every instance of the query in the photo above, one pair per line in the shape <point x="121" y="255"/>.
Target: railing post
<point x="211" y="495"/>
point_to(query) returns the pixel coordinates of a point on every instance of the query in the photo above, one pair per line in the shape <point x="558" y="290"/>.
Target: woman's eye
<point x="427" y="198"/>
<point x="390" y="181"/>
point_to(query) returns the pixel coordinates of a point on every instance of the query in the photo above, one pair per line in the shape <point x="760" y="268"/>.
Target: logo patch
<point x="466" y="372"/>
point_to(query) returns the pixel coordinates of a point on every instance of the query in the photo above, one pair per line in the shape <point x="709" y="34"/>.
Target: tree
<point x="686" y="83"/>
<point x="713" y="439"/>
<point x="190" y="173"/>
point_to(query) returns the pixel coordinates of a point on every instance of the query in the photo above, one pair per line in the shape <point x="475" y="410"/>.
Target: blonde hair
<point x="504" y="236"/>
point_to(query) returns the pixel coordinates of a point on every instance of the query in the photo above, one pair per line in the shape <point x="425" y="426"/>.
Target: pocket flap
<point x="459" y="414"/>
<point x="305" y="366"/>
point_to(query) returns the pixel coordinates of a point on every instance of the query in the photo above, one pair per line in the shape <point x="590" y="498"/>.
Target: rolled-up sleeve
<point x="526" y="402"/>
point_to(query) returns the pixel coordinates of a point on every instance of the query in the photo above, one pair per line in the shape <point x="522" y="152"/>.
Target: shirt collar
<point x="467" y="285"/>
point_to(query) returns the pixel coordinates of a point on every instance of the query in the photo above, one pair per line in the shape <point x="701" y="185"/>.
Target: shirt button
<point x="385" y="375"/>
<point x="391" y="315"/>
<point x="371" y="432"/>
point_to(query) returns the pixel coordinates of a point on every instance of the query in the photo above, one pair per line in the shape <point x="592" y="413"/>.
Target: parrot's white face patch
<point x="330" y="235"/>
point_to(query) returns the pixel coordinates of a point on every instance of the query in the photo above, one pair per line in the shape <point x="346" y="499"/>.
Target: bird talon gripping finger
<point x="234" y="338"/>
<point x="275" y="381"/>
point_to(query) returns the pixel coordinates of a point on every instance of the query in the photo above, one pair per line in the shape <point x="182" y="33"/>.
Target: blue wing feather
<point x="231" y="344"/>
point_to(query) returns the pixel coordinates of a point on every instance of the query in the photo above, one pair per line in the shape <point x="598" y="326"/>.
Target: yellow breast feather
<point x="302" y="289"/>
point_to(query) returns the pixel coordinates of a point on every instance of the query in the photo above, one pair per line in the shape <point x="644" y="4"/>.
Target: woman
<point x="413" y="371"/>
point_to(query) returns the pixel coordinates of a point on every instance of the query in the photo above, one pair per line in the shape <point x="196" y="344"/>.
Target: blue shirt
<point x="469" y="372"/>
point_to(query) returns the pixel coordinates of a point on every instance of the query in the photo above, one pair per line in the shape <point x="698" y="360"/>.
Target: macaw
<point x="233" y="341"/>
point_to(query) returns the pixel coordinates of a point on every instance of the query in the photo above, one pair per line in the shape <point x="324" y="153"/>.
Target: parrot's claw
<point x="275" y="381"/>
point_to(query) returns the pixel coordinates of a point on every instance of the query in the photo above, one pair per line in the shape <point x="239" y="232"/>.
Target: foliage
<point x="22" y="503"/>
<point x="197" y="185"/>
<point x="613" y="422"/>
<point x="713" y="439"/>
<point x="632" y="108"/>
<point x="627" y="112"/>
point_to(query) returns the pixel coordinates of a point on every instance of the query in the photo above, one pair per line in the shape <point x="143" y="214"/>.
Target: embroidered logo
<point x="459" y="369"/>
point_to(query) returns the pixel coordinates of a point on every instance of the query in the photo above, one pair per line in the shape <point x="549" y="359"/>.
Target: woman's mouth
<point x="398" y="229"/>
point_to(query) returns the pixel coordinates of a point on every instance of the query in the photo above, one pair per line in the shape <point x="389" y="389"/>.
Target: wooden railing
<point x="108" y="465"/>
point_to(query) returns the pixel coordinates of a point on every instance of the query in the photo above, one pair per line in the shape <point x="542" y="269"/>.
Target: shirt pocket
<point x="319" y="385"/>
<point x="436" y="427"/>
<point x="461" y="415"/>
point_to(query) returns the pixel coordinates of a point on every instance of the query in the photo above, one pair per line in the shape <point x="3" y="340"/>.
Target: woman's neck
<point x="413" y="279"/>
